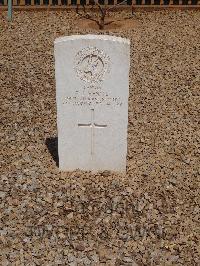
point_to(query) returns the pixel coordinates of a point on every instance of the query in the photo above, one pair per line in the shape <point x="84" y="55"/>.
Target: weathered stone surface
<point x="92" y="80"/>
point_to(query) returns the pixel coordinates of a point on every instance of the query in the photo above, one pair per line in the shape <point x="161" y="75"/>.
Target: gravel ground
<point x="148" y="216"/>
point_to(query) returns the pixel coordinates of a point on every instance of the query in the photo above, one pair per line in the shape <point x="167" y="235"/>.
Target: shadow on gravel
<point x="52" y="145"/>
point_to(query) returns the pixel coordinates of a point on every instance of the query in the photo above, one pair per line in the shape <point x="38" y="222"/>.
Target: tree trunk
<point x="102" y="22"/>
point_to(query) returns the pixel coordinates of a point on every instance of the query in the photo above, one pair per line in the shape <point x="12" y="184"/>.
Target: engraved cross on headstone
<point x="92" y="125"/>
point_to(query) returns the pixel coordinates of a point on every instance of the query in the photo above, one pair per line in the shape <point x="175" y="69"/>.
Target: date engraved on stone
<point x="91" y="64"/>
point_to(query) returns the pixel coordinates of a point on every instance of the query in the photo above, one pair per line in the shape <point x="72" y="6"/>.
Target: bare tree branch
<point x="102" y="10"/>
<point x="109" y="22"/>
<point x="86" y="15"/>
<point x="121" y="3"/>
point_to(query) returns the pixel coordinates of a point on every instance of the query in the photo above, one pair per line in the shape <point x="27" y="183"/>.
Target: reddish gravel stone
<point x="148" y="216"/>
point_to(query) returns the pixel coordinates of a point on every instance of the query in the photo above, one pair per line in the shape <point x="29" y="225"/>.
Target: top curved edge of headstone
<point x="92" y="37"/>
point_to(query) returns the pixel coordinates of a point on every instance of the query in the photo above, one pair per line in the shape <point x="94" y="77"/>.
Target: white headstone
<point x="92" y="84"/>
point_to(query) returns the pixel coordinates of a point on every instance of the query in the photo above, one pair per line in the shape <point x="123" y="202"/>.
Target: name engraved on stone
<point x="93" y="126"/>
<point x="91" y="64"/>
<point x="92" y="96"/>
